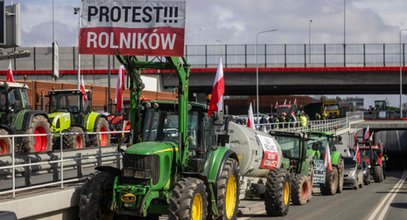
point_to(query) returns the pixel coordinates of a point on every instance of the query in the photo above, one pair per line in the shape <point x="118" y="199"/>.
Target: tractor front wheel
<point x="96" y="198"/>
<point x="331" y="182"/>
<point x="38" y="126"/>
<point x="227" y="198"/>
<point x="341" y="171"/>
<point x="76" y="140"/>
<point x="300" y="189"/>
<point x="277" y="195"/>
<point x="5" y="143"/>
<point x="102" y="140"/>
<point x="378" y="174"/>
<point x="189" y="200"/>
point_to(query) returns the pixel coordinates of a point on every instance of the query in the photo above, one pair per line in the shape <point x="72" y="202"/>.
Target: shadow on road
<point x="400" y="205"/>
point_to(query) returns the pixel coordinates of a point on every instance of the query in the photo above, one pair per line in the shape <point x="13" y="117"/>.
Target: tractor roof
<point x="14" y="84"/>
<point x="74" y="91"/>
<point x="194" y="105"/>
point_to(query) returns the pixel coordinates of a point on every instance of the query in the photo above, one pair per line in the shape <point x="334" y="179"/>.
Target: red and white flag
<point x="357" y="154"/>
<point x="366" y="136"/>
<point x="120" y="86"/>
<point x="85" y="98"/>
<point x="250" y="119"/>
<point x="218" y="90"/>
<point x="9" y="76"/>
<point x="328" y="162"/>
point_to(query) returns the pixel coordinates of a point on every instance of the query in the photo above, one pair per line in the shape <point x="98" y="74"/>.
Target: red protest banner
<point x="132" y="27"/>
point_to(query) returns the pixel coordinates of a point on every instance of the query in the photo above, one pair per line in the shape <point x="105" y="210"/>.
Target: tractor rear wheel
<point x="74" y="141"/>
<point x="378" y="174"/>
<point x="277" y="195"/>
<point x="37" y="144"/>
<point x="331" y="182"/>
<point x="227" y="198"/>
<point x="300" y="189"/>
<point x="96" y="198"/>
<point x="102" y="140"/>
<point x="5" y="143"/>
<point x="189" y="200"/>
<point x="341" y="170"/>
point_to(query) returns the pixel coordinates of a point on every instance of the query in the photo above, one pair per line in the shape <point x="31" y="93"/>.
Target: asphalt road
<point x="386" y="200"/>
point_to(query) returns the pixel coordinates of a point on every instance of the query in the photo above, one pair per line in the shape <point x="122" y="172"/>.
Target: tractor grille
<point x="145" y="163"/>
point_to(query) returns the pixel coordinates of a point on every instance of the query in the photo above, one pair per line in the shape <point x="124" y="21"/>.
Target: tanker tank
<point x="258" y="152"/>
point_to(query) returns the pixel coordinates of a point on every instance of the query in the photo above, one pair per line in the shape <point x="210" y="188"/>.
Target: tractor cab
<point x="13" y="97"/>
<point x="294" y="148"/>
<point x="72" y="102"/>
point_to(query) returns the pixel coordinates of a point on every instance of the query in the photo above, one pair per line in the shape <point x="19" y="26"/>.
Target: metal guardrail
<point x="55" y="162"/>
<point x="330" y="125"/>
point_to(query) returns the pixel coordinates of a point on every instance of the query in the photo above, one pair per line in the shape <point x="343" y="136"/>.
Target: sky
<point x="238" y="21"/>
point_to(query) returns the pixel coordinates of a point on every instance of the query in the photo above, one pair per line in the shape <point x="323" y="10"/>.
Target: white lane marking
<point x="379" y="207"/>
<point x="387" y="206"/>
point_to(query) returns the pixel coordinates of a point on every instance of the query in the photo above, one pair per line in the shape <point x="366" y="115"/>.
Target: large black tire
<point x="228" y="188"/>
<point x="277" y="195"/>
<point x="37" y="144"/>
<point x="103" y="140"/>
<point x="188" y="200"/>
<point x="74" y="141"/>
<point x="378" y="174"/>
<point x="300" y="189"/>
<point x="96" y="198"/>
<point x="5" y="143"/>
<point x="331" y="182"/>
<point x="341" y="172"/>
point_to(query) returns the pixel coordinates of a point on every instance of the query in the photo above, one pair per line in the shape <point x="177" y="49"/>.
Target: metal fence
<point x="237" y="55"/>
<point x="331" y="125"/>
<point x="25" y="171"/>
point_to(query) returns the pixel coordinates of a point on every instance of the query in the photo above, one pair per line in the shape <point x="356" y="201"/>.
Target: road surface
<point x="386" y="200"/>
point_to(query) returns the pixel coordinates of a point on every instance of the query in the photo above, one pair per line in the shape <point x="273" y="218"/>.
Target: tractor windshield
<point x="18" y="98"/>
<point x="290" y="146"/>
<point x="281" y="110"/>
<point x="162" y="125"/>
<point x="332" y="107"/>
<point x="70" y="102"/>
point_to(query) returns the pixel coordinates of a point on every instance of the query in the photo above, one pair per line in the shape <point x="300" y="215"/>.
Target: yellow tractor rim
<point x="197" y="207"/>
<point x="286" y="193"/>
<point x="231" y="196"/>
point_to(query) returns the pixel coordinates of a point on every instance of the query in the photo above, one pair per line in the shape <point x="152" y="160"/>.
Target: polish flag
<point x="216" y="102"/>
<point x="357" y="155"/>
<point x="83" y="90"/>
<point x="328" y="162"/>
<point x="366" y="136"/>
<point x="250" y="119"/>
<point x="120" y="86"/>
<point x="9" y="76"/>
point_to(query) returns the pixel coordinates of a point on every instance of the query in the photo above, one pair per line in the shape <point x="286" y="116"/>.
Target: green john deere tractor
<point x="177" y="163"/>
<point x="71" y="112"/>
<point x="17" y="117"/>
<point x="298" y="163"/>
<point x="316" y="144"/>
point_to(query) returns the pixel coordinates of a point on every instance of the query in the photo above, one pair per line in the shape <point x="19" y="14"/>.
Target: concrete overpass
<point x="298" y="80"/>
<point x="382" y="125"/>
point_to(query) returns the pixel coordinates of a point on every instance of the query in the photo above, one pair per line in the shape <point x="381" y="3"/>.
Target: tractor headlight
<point x="139" y="174"/>
<point x="128" y="172"/>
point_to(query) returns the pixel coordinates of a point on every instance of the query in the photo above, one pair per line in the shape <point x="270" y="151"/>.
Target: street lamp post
<point x="309" y="42"/>
<point x="344" y="32"/>
<point x="257" y="69"/>
<point x="401" y="73"/>
<point x="77" y="12"/>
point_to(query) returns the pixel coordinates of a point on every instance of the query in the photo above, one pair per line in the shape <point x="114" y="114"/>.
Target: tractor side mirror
<point x="89" y="94"/>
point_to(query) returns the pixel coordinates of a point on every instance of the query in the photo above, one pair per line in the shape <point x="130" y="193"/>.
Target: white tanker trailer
<point x="260" y="159"/>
